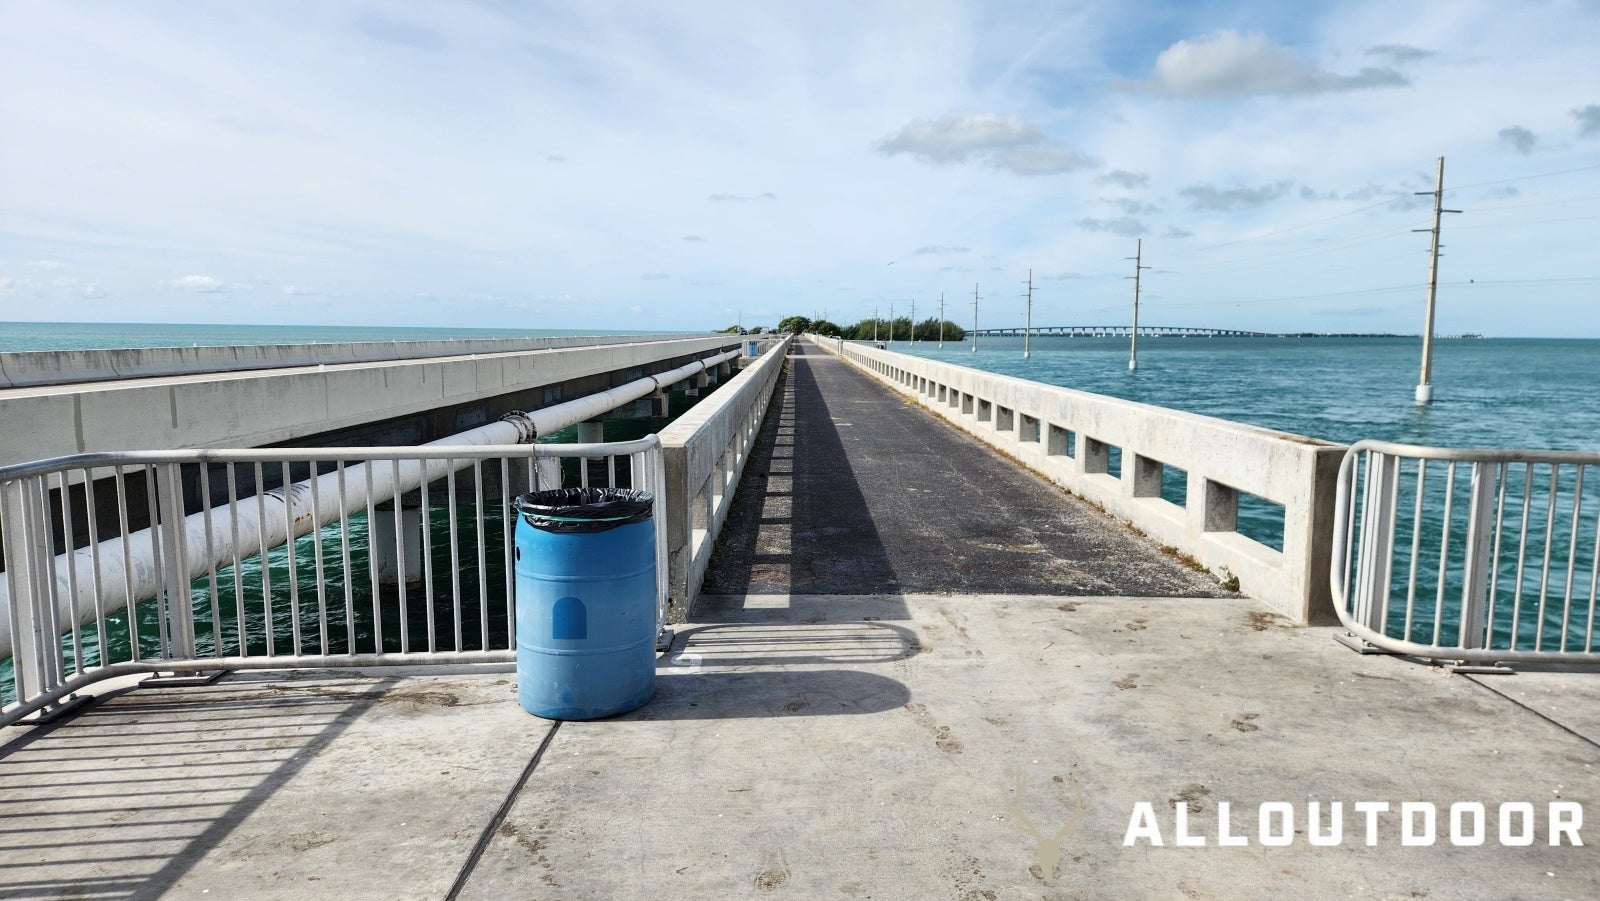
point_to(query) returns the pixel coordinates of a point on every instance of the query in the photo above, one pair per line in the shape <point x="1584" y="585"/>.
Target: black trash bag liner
<point x="584" y="509"/>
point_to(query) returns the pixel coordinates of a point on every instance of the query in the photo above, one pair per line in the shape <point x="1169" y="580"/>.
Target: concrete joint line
<point x="499" y="817"/>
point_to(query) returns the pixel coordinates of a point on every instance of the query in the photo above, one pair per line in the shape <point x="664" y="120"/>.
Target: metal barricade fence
<point x="212" y="560"/>
<point x="1478" y="556"/>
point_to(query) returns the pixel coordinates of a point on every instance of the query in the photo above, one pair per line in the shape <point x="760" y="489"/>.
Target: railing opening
<point x="1029" y="430"/>
<point x="1060" y="442"/>
<point x="1260" y="520"/>
<point x="1174" y="485"/>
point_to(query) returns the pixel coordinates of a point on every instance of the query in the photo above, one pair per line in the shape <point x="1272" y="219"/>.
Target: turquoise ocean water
<point x="1490" y="392"/>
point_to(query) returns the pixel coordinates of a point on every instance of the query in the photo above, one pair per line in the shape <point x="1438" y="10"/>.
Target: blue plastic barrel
<point x="585" y="601"/>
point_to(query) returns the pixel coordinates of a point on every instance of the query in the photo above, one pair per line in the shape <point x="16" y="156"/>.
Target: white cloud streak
<point x="1230" y="64"/>
<point x="199" y="284"/>
<point x="999" y="141"/>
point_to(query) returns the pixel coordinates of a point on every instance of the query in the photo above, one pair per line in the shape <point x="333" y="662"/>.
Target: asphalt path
<point x="852" y="489"/>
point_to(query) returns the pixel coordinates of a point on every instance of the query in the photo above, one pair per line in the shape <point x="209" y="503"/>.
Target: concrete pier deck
<point x="882" y="728"/>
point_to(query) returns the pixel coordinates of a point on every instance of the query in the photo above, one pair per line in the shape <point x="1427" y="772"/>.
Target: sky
<point x="690" y="165"/>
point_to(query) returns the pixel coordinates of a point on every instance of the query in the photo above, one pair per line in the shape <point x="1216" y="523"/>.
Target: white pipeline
<point x="130" y="568"/>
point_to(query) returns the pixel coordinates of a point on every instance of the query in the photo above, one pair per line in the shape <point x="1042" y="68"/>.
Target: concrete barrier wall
<point x="252" y="409"/>
<point x="705" y="451"/>
<point x="59" y="367"/>
<point x="1067" y="437"/>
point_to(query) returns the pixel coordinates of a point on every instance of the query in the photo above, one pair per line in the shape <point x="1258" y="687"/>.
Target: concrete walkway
<point x="915" y="742"/>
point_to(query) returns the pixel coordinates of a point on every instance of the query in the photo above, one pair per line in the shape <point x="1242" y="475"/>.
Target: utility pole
<point x="1425" y="384"/>
<point x="974" y="317"/>
<point x="913" y="320"/>
<point x="1138" y="254"/>
<point x="891" y="323"/>
<point x="941" y="320"/>
<point x="1027" y="328"/>
<point x="874" y="324"/>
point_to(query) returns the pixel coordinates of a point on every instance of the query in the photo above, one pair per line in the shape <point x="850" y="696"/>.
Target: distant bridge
<point x="1121" y="331"/>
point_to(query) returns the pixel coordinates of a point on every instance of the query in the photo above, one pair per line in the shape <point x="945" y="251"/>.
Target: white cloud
<point x="200" y="284"/>
<point x="50" y="265"/>
<point x="1126" y="179"/>
<point x="1042" y="161"/>
<point x="1121" y="225"/>
<point x="1132" y="207"/>
<point x="1230" y="64"/>
<point x="1206" y="197"/>
<point x="1588" y="120"/>
<point x="1002" y="142"/>
<point x="1518" y="138"/>
<point x="1399" y="54"/>
<point x="958" y="138"/>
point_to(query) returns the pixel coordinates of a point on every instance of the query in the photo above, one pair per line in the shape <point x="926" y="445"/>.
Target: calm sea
<point x="1526" y="393"/>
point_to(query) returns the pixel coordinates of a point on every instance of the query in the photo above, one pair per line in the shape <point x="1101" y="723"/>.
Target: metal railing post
<point x="178" y="612"/>
<point x="1480" y="530"/>
<point x="1374" y="561"/>
<point x="24" y="553"/>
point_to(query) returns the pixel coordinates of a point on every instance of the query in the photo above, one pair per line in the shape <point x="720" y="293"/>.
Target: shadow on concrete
<point x="785" y="642"/>
<point x="702" y="695"/>
<point x="800" y="523"/>
<point x="780" y="666"/>
<point x="121" y="800"/>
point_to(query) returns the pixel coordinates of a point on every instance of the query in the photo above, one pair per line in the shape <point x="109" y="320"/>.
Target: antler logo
<point x="1049" y="848"/>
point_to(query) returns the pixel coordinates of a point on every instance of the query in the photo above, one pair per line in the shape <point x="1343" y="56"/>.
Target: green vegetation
<point x="898" y="329"/>
<point x="794" y="324"/>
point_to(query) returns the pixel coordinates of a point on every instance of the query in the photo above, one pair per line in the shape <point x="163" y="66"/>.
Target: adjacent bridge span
<point x="383" y="394"/>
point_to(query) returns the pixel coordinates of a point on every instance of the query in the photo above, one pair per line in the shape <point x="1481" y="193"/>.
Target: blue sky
<point x="683" y="165"/>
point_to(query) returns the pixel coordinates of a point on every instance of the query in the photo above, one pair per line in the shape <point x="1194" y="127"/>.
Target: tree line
<point x="897" y="329"/>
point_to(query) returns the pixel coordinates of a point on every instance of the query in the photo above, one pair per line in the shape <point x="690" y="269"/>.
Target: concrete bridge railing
<point x="1119" y="454"/>
<point x="405" y="401"/>
<point x="705" y="451"/>
<point x="26" y="369"/>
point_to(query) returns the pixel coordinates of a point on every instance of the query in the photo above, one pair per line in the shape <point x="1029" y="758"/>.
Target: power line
<point x="1530" y="222"/>
<point x="1525" y="177"/>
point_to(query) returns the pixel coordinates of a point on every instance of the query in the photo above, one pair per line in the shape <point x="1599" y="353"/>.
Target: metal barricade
<point x="1477" y="556"/>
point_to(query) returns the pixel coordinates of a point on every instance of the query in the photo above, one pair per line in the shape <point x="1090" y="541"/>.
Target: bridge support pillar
<point x="396" y="557"/>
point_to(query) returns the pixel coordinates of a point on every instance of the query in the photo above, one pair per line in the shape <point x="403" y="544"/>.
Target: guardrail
<point x="1478" y="556"/>
<point x="1188" y="481"/>
<point x="23" y="369"/>
<point x="705" y="451"/>
<point x="234" y="572"/>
